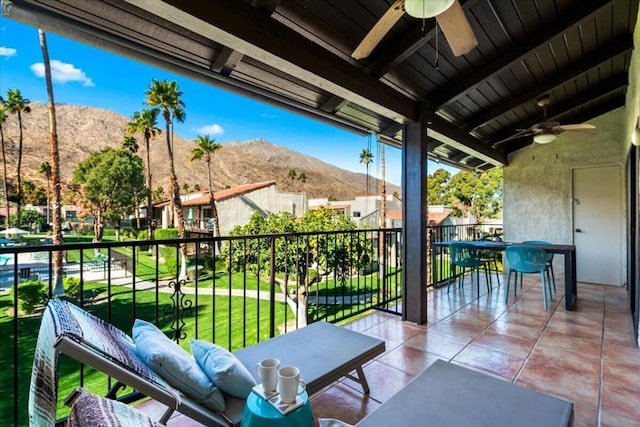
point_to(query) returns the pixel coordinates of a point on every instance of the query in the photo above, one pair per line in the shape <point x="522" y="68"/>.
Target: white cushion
<point x="223" y="368"/>
<point x="175" y="365"/>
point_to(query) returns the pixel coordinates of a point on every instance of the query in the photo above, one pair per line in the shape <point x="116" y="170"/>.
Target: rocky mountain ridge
<point x="83" y="130"/>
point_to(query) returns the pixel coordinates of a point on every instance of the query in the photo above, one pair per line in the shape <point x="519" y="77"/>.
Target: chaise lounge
<point x="324" y="353"/>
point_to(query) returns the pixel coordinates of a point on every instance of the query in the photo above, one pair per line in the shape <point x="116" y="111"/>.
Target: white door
<point x="597" y="224"/>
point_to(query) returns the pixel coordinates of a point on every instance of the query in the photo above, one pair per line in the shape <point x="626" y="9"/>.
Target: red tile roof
<point x="222" y="194"/>
<point x="435" y="218"/>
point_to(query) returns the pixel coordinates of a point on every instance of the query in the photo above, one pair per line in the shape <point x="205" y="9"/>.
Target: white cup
<point x="267" y="371"/>
<point x="289" y="384"/>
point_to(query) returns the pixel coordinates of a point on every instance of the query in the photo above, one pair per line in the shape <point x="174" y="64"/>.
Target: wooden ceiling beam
<point x="459" y="88"/>
<point x="248" y="30"/>
<point x="575" y="71"/>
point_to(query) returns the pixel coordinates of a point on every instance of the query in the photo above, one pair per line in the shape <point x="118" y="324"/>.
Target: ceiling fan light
<point x="544" y="138"/>
<point x="426" y="8"/>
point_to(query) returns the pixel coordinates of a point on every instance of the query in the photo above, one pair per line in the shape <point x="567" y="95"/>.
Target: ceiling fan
<point x="448" y="13"/>
<point x="546" y="131"/>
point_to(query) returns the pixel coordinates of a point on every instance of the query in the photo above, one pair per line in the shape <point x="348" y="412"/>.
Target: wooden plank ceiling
<point x="297" y="54"/>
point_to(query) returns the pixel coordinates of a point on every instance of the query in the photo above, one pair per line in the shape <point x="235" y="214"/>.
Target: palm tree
<point x="16" y="104"/>
<point x="45" y="169"/>
<point x="130" y="143"/>
<point x="146" y="122"/>
<point x="366" y="157"/>
<point x="5" y="186"/>
<point x="55" y="169"/>
<point x="292" y="175"/>
<point x="166" y="96"/>
<point x="205" y="147"/>
<point x="302" y="178"/>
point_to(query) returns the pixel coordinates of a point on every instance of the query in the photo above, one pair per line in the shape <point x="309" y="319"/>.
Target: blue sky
<point x="84" y="75"/>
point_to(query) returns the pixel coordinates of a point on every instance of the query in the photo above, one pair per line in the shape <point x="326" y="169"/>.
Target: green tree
<point x="45" y="169"/>
<point x="366" y="157"/>
<point x="55" y="167"/>
<point x="205" y="148"/>
<point x="5" y="184"/>
<point x="477" y="193"/>
<point x="302" y="179"/>
<point x="33" y="194"/>
<point x="105" y="184"/>
<point x="130" y="143"/>
<point x="328" y="253"/>
<point x="146" y="122"/>
<point x="158" y="194"/>
<point x="16" y="104"/>
<point x="437" y="187"/>
<point x="29" y="218"/>
<point x="166" y="96"/>
<point x="292" y="175"/>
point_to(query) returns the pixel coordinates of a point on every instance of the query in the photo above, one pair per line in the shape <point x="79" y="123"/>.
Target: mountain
<point x="83" y="130"/>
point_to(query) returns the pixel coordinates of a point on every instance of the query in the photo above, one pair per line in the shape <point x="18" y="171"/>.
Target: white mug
<point x="267" y="371"/>
<point x="289" y="384"/>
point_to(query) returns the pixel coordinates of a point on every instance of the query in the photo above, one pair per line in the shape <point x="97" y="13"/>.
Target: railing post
<point x="272" y="287"/>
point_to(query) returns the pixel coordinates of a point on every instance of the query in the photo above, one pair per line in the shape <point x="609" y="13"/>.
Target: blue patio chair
<point x="465" y="255"/>
<point x="527" y="260"/>
<point x="549" y="260"/>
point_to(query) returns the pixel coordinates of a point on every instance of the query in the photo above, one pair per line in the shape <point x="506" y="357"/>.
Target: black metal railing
<point x="234" y="291"/>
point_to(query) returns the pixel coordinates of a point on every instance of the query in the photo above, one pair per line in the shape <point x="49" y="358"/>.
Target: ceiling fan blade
<point x="580" y="126"/>
<point x="382" y="27"/>
<point x="517" y="135"/>
<point x="457" y="30"/>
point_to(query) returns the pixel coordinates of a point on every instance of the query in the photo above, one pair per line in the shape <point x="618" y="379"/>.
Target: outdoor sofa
<point x="324" y="353"/>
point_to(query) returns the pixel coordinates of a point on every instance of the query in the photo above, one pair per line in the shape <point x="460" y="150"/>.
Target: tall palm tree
<point x="166" y="95"/>
<point x="5" y="186"/>
<point x="16" y="104"/>
<point x="366" y="157"/>
<point x="55" y="168"/>
<point x="45" y="169"/>
<point x="292" y="175"/>
<point x="205" y="147"/>
<point x="302" y="179"/>
<point x="130" y="143"/>
<point x="146" y="122"/>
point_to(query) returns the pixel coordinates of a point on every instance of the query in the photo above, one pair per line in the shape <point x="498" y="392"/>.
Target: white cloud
<point x="7" y="51"/>
<point x="214" y="129"/>
<point x="62" y="73"/>
<point x="268" y="116"/>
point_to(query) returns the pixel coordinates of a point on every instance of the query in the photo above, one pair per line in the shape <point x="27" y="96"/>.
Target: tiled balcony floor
<point x="586" y="356"/>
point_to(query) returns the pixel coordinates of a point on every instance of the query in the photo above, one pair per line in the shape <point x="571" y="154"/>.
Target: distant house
<point x="363" y="210"/>
<point x="235" y="206"/>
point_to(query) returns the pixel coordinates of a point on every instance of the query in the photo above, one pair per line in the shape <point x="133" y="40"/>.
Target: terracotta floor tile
<point x="591" y="346"/>
<point x="582" y="364"/>
<point x="343" y="403"/>
<point x="515" y="346"/>
<point x="441" y="345"/>
<point x="611" y="419"/>
<point x="584" y="415"/>
<point x="384" y="380"/>
<point x="628" y="355"/>
<point x="621" y="373"/>
<point x="463" y="329"/>
<point x="561" y="383"/>
<point x="621" y="400"/>
<point x="394" y="330"/>
<point x="486" y="359"/>
<point x="522" y="331"/>
<point x="409" y="359"/>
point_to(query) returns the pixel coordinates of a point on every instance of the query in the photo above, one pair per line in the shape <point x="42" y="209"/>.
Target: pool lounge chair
<point x="323" y="352"/>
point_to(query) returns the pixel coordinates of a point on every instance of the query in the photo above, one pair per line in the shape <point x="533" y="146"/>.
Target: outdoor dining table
<point x="567" y="251"/>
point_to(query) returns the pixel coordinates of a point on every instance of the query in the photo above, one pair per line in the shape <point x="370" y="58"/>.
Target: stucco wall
<point x="537" y="182"/>
<point x="238" y="210"/>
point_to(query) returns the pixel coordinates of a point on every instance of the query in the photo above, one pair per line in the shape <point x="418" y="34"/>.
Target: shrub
<point x="170" y="261"/>
<point x="143" y="235"/>
<point x="72" y="287"/>
<point x="30" y="294"/>
<point x="166" y="233"/>
<point x="128" y="233"/>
